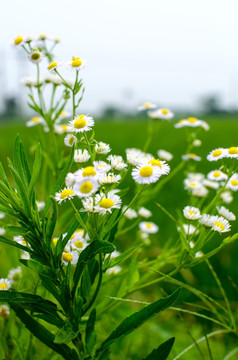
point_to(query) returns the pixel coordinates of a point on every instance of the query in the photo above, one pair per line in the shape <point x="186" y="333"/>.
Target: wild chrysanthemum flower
<point x="70" y="180"/>
<point x="101" y="166"/>
<point x="36" y="56"/>
<point x="76" y="64"/>
<point x="217" y="175"/>
<point x="40" y="205"/>
<point x="226" y="213"/>
<point x="32" y="81"/>
<point x="70" y="257"/>
<point x="200" y="192"/>
<point x="53" y="79"/>
<point x="25" y="255"/>
<point x="65" y="194"/>
<point x="146" y="174"/>
<point x="81" y="123"/>
<point x="88" y="204"/>
<point x="188" y="229"/>
<point x="113" y="270"/>
<point x="53" y="65"/>
<point x="136" y="156"/>
<point x="211" y="184"/>
<point x="196" y="176"/>
<point x="148" y="227"/>
<point x="105" y="203"/>
<point x="208" y="220"/>
<point x="146" y="106"/>
<point x="233" y="182"/>
<point x="81" y="156"/>
<point x="191" y="213"/>
<point x="161" y="165"/>
<point x="36" y="120"/>
<point x="145" y="213"/>
<point x="232" y="152"/>
<point x="70" y="140"/>
<point x="192" y="122"/>
<point x="78" y="244"/>
<point x="108" y="179"/>
<point x="216" y="154"/>
<point x="88" y="171"/>
<point x="86" y="186"/>
<point x="116" y="162"/>
<point x="197" y="142"/>
<point x="163" y="114"/>
<point x="191" y="157"/>
<point x="2" y="231"/>
<point x="226" y="197"/>
<point x="18" y="41"/>
<point x="5" y="284"/>
<point x="221" y="225"/>
<point x="102" y="149"/>
<point x="2" y="215"/>
<point x="15" y="274"/>
<point x="164" y="155"/>
<point x="4" y="311"/>
<point x="192" y="184"/>
<point x="20" y="240"/>
<point x="129" y="213"/>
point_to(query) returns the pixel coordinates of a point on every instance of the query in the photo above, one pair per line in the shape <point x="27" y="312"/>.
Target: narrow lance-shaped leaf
<point x="162" y="352"/>
<point x="35" y="170"/>
<point x="15" y="244"/>
<point x="117" y="260"/>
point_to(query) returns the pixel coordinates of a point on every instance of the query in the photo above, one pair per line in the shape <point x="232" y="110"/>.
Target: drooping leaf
<point x="15" y="244"/>
<point x="117" y="260"/>
<point x="162" y="352"/>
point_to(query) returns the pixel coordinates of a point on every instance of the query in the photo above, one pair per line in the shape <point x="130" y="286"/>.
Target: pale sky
<point x="170" y="52"/>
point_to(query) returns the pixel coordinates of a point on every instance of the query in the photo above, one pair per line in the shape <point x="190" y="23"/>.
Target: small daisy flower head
<point x="226" y="197"/>
<point x="2" y="215"/>
<point x="216" y="154"/>
<point x="65" y="194"/>
<point x="208" y="220"/>
<point x="20" y="240"/>
<point x="192" y="122"/>
<point x="164" y="155"/>
<point x="200" y="192"/>
<point x="40" y="205"/>
<point x="146" y="106"/>
<point x="192" y="184"/>
<point x="18" y="41"/>
<point x="25" y="255"/>
<point x="101" y="166"/>
<point x="81" y="123"/>
<point x="55" y="240"/>
<point x="70" y="180"/>
<point x="232" y="152"/>
<point x="36" y="120"/>
<point x="188" y="229"/>
<point x="88" y="171"/>
<point x="196" y="176"/>
<point x="114" y="254"/>
<point x="76" y="64"/>
<point x="197" y="142"/>
<point x="88" y="204"/>
<point x="129" y="213"/>
<point x="191" y="213"/>
<point x="211" y="184"/>
<point x="70" y="140"/>
<point x="199" y="254"/>
<point x="163" y="114"/>
<point x="2" y="231"/>
<point x="109" y="179"/>
<point x="53" y="79"/>
<point x="146" y="174"/>
<point x="113" y="270"/>
<point x="78" y="244"/>
<point x="134" y="156"/>
<point x="4" y="311"/>
<point x="217" y="175"/>
<point x="191" y="156"/>
<point x="53" y="65"/>
<point x="70" y="257"/>
<point x="36" y="56"/>
<point x="102" y="149"/>
<point x="161" y="165"/>
<point x="233" y="182"/>
<point x="61" y="128"/>
<point x="144" y="213"/>
<point x="15" y="274"/>
<point x="42" y="37"/>
<point x="117" y="162"/>
<point x="5" y="284"/>
<point x="106" y="203"/>
<point x="148" y="227"/>
<point x="224" y="212"/>
<point x="86" y="186"/>
<point x="81" y="156"/>
<point x="221" y="225"/>
<point x="31" y="81"/>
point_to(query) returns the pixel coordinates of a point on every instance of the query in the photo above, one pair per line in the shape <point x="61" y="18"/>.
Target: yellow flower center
<point x="66" y="193"/>
<point x="192" y="119"/>
<point x="192" y="184"/>
<point x="146" y="171"/>
<point x="72" y="236"/>
<point x="155" y="162"/>
<point x="233" y="150"/>
<point x="148" y="225"/>
<point x="76" y="62"/>
<point x="80" y="124"/>
<point x="23" y="242"/>
<point x="78" y="244"/>
<point x="220" y="225"/>
<point x="67" y="257"/>
<point x="42" y="36"/>
<point x="191" y="212"/>
<point x="164" y="111"/>
<point x="57" y="40"/>
<point x="89" y="171"/>
<point x="106" y="203"/>
<point x="192" y="155"/>
<point x="3" y="286"/>
<point x="216" y="174"/>
<point x="216" y="153"/>
<point x="52" y="65"/>
<point x="71" y="140"/>
<point x="86" y="187"/>
<point x="63" y="113"/>
<point x="35" y="56"/>
<point x="147" y="105"/>
<point x="55" y="241"/>
<point x="234" y="182"/>
<point x="18" y="40"/>
<point x="64" y="127"/>
<point x="35" y="119"/>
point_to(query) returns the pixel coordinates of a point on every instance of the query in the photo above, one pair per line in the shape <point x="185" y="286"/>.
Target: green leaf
<point x="162" y="352"/>
<point x="35" y="170"/>
<point x="25" y="164"/>
<point x="65" y="334"/>
<point x="15" y="244"/>
<point x="133" y="273"/>
<point x="40" y="269"/>
<point x="108" y="230"/>
<point x="51" y="223"/>
<point x="117" y="260"/>
<point x="90" y="335"/>
<point x="86" y="284"/>
<point x="137" y="319"/>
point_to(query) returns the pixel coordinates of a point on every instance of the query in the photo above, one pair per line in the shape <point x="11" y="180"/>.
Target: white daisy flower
<point x="148" y="227"/>
<point x="135" y="156"/>
<point x="61" y="128"/>
<point x="81" y="123"/>
<point x="146" y="106"/>
<point x="105" y="203"/>
<point x="36" y="56"/>
<point x="191" y="244"/>
<point x="81" y="156"/>
<point x="233" y="182"/>
<point x="216" y="154"/>
<point x="114" y="254"/>
<point x="200" y="192"/>
<point x="192" y="122"/>
<point x="116" y="162"/>
<point x="232" y="152"/>
<point x="199" y="254"/>
<point x="53" y="65"/>
<point x="102" y="149"/>
<point x="88" y="204"/>
<point x="216" y="175"/>
<point x="65" y="194"/>
<point x="5" y="284"/>
<point x="36" y="120"/>
<point x="78" y="244"/>
<point x="108" y="179"/>
<point x="226" y="213"/>
<point x="191" y="213"/>
<point x="86" y="186"/>
<point x="88" y="171"/>
<point x="25" y="255"/>
<point x="129" y="213"/>
<point x="145" y="213"/>
<point x="2" y="215"/>
<point x="208" y="220"/>
<point x="197" y="142"/>
<point x="221" y="225"/>
<point x="163" y="167"/>
<point x="226" y="197"/>
<point x="101" y="166"/>
<point x="191" y="157"/>
<point x="196" y="176"/>
<point x="40" y="205"/>
<point x="70" y="256"/>
<point x="146" y="174"/>
<point x="18" y="41"/>
<point x="211" y="184"/>
<point x="192" y="184"/>
<point x="53" y="79"/>
<point x="70" y="140"/>
<point x="4" y="311"/>
<point x="20" y="240"/>
<point x="76" y="63"/>
<point x="164" y="155"/>
<point x="188" y="229"/>
<point x="2" y="231"/>
<point x="31" y="81"/>
<point x="15" y="274"/>
<point x="113" y="270"/>
<point x="163" y="114"/>
<point x="70" y="180"/>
